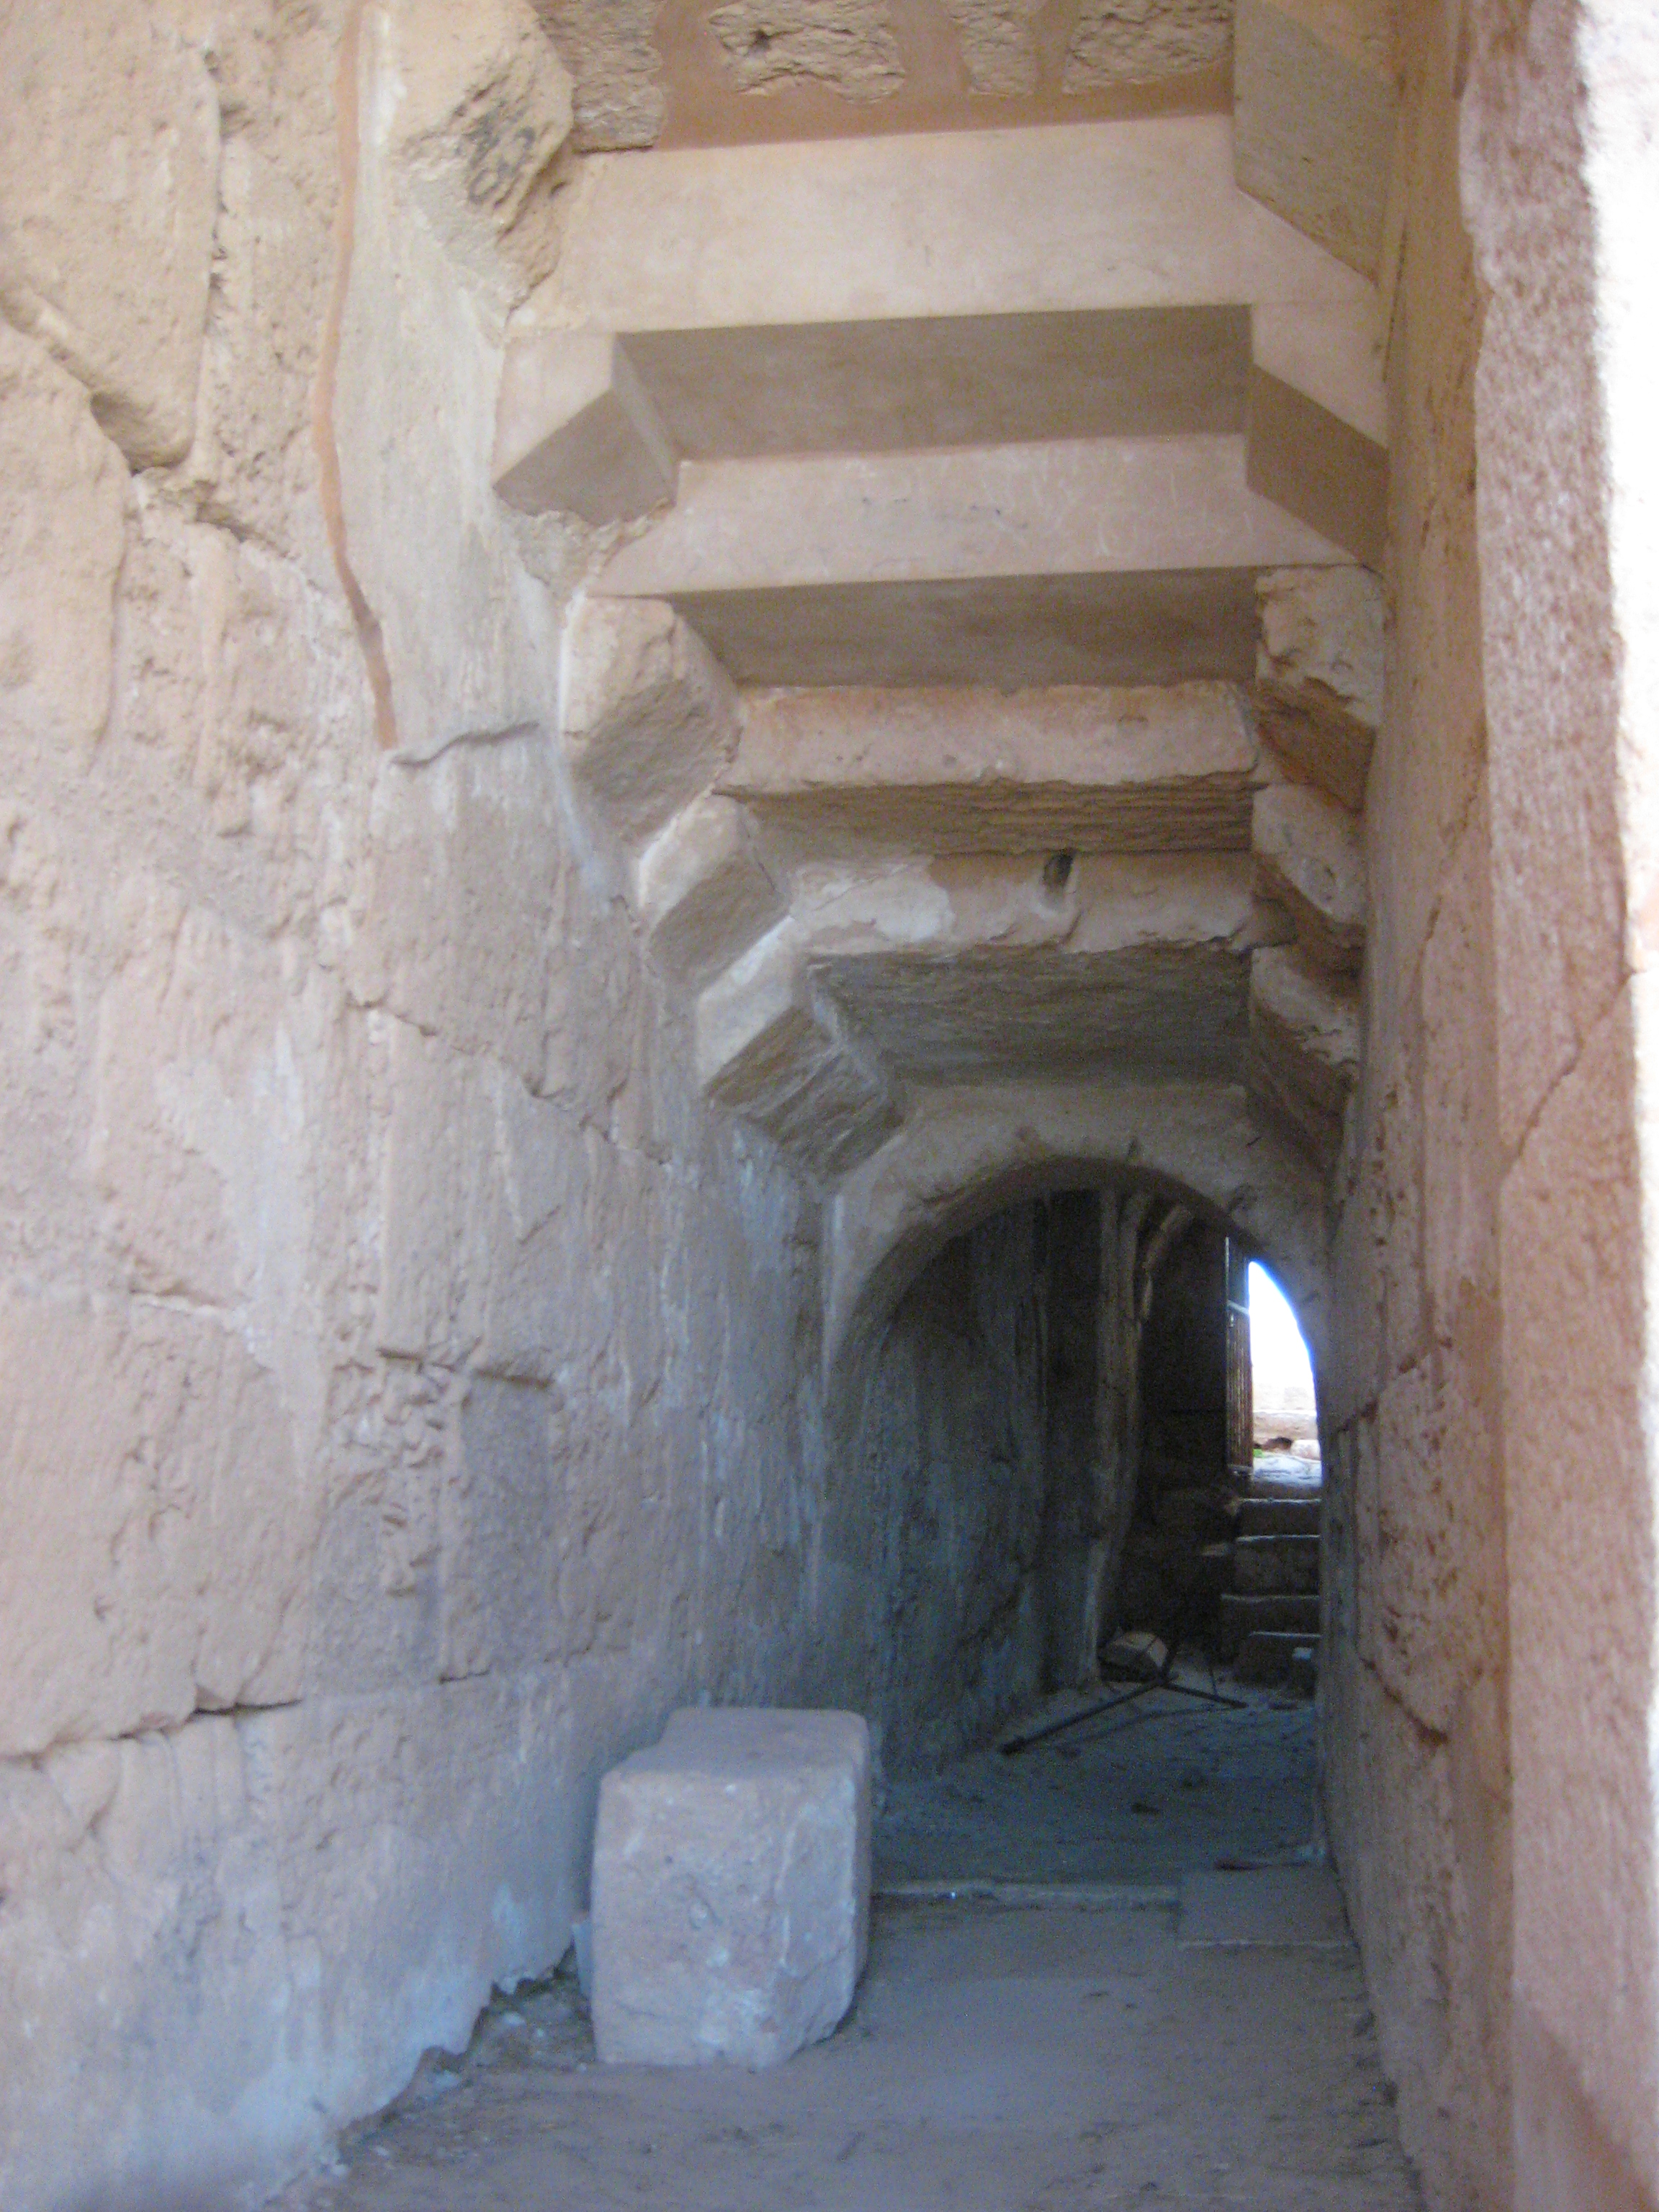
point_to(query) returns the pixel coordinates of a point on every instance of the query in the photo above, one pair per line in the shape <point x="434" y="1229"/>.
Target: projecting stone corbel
<point x="1317" y="423"/>
<point x="577" y="431"/>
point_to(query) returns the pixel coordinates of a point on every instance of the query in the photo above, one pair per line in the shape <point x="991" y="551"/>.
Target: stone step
<point x="1319" y="673"/>
<point x="1276" y="1516"/>
<point x="1268" y="1654"/>
<point x="770" y="1049"/>
<point x="1240" y="1616"/>
<point x="1275" y="1564"/>
<point x="710" y="304"/>
<point x="1266" y="1567"/>
<point x="964" y="770"/>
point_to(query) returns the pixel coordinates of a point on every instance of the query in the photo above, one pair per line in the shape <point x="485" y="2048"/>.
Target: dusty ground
<point x="1051" y="2060"/>
<point x="1141" y="1794"/>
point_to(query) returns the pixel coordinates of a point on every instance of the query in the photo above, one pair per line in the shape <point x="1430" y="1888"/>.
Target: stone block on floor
<point x="731" y="1888"/>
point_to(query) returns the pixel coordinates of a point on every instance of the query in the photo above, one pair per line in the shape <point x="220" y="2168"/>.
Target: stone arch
<point x="963" y="1155"/>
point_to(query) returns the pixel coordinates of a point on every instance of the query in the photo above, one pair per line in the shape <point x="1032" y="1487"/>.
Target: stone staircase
<point x="1268" y="1621"/>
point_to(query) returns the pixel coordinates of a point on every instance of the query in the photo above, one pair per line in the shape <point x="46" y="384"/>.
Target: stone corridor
<point x="737" y="736"/>
<point x="1096" y="2052"/>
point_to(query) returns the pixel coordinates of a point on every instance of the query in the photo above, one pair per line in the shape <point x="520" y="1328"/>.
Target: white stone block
<point x="731" y="1888"/>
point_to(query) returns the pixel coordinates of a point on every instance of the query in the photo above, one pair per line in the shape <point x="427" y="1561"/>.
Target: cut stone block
<point x="109" y="172"/>
<point x="1314" y="110"/>
<point x="939" y="224"/>
<point x="1265" y="1654"/>
<point x="1319" y="673"/>
<point x="731" y="1888"/>
<point x="1277" y="1517"/>
<point x="649" y="718"/>
<point x="1303" y="1052"/>
<point x="1330" y="352"/>
<point x="702" y="891"/>
<point x="575" y="433"/>
<point x="1265" y="1566"/>
<point x="1240" y="1616"/>
<point x="946" y="770"/>
<point x="1317" y="467"/>
<point x="1310" y="859"/>
<point x="1065" y="508"/>
<point x="768" y="1051"/>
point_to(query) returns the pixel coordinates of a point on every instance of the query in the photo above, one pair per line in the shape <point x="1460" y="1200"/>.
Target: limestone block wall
<point x="406" y="1391"/>
<point x="1561" y="177"/>
<point x="935" y="1546"/>
<point x="1414" y="1694"/>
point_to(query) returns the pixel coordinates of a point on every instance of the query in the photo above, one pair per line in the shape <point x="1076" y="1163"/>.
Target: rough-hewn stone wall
<point x="934" y="1529"/>
<point x="1561" y="182"/>
<point x="1414" y="1697"/>
<point x="403" y="1397"/>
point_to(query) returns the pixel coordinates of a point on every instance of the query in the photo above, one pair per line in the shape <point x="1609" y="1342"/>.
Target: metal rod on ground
<point x="1210" y="1696"/>
<point x="1088" y="1713"/>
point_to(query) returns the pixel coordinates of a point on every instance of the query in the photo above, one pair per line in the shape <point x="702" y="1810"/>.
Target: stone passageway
<point x="737" y="738"/>
<point x="1151" y="2036"/>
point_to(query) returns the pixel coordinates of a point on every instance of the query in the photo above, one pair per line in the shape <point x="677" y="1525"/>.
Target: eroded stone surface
<point x="1135" y="41"/>
<point x="649" y="718"/>
<point x="62" y="498"/>
<point x="1308" y="855"/>
<point x="853" y="49"/>
<point x="998" y="43"/>
<point x="731" y="1888"/>
<point x="109" y="159"/>
<point x="610" y="50"/>
<point x="702" y="890"/>
<point x="957" y="771"/>
<point x="1319" y="672"/>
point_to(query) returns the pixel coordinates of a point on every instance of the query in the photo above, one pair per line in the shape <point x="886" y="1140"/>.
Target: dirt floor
<point x="1057" y="2058"/>
<point x="1161" y="1783"/>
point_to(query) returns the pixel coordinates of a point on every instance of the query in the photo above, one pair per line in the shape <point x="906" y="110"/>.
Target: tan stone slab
<point x="961" y="770"/>
<point x="648" y="719"/>
<point x="1095" y="507"/>
<point x="702" y="891"/>
<point x="765" y="1050"/>
<point x="1315" y="108"/>
<point x="1310" y="857"/>
<point x="1018" y="632"/>
<point x="958" y="222"/>
<point x="731" y="1888"/>
<point x="576" y="434"/>
<point x="1278" y="1906"/>
<point x="1332" y="354"/>
<point x="979" y="966"/>
<point x="884" y="386"/>
<point x="1133" y="1016"/>
<point x="1319" y="468"/>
